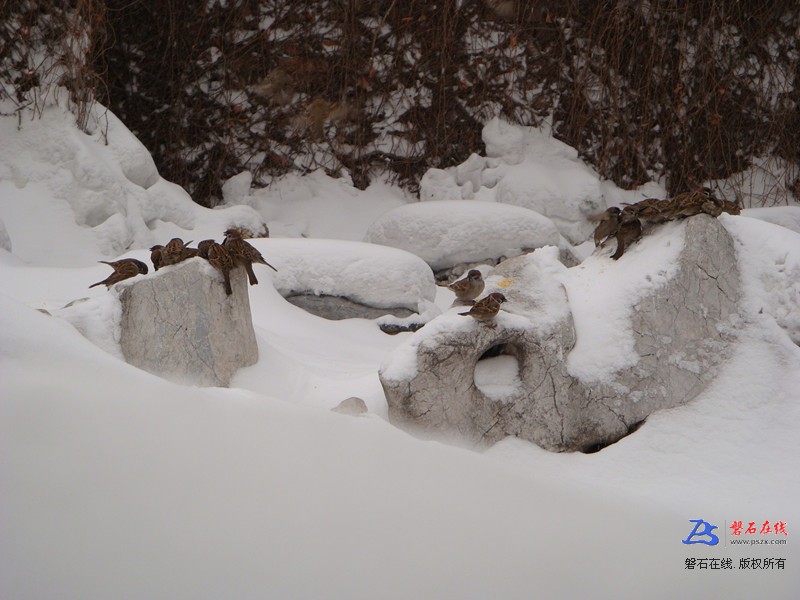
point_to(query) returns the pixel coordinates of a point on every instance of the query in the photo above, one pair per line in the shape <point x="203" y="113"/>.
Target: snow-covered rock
<point x="335" y="278"/>
<point x="180" y="324"/>
<point x="785" y="216"/>
<point x="526" y="167"/>
<point x="769" y="256"/>
<point x="557" y="378"/>
<point x="237" y="189"/>
<point x="450" y="232"/>
<point x="94" y="193"/>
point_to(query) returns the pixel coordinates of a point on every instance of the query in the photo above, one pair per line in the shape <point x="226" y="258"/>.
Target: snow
<point x="373" y="275"/>
<point x="92" y="194"/>
<point x="769" y="258"/>
<point x="498" y="377"/>
<point x="526" y="167"/>
<point x="785" y="216"/>
<point x="602" y="293"/>
<point x="450" y="232"/>
<point x="294" y="203"/>
<point x="117" y="484"/>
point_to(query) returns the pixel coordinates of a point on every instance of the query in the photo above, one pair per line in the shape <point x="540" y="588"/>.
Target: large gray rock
<point x="439" y="384"/>
<point x="179" y="323"/>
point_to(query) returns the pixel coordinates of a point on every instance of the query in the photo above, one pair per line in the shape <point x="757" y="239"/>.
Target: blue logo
<point x="707" y="528"/>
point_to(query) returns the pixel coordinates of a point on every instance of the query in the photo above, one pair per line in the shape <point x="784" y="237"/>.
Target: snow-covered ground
<point x="117" y="484"/>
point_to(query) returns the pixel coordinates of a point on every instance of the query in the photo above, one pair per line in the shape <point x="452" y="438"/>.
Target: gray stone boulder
<point x="179" y="324"/>
<point x="463" y="380"/>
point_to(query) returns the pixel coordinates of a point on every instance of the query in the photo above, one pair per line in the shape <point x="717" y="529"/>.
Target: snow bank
<point x="115" y="480"/>
<point x="769" y="258"/>
<point x="93" y="194"/>
<point x="318" y="206"/>
<point x="527" y="167"/>
<point x="602" y="294"/>
<point x="366" y="273"/>
<point x="449" y="232"/>
<point x="785" y="216"/>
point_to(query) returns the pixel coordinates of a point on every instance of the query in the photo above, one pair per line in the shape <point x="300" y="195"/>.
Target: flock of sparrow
<point x="625" y="225"/>
<point x="233" y="252"/>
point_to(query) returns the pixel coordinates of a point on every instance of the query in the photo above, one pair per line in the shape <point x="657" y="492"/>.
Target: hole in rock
<point x="597" y="447"/>
<point x="497" y="373"/>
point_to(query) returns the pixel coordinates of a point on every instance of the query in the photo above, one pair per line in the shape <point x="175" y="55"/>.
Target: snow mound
<point x="94" y="193"/>
<point x="602" y="294"/>
<point x="769" y="258"/>
<point x="318" y="206"/>
<point x="527" y="167"/>
<point x="369" y="274"/>
<point x="785" y="216"/>
<point x="450" y="232"/>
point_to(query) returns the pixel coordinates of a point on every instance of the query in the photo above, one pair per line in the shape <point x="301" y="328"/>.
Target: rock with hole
<point x="461" y="380"/>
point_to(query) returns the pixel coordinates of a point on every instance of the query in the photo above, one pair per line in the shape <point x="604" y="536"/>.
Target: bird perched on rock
<point x="156" y="257"/>
<point x="202" y="248"/>
<point x="693" y="203"/>
<point x="629" y="231"/>
<point x="123" y="269"/>
<point x="468" y="288"/>
<point x="486" y="309"/>
<point x="116" y="263"/>
<point x="649" y="210"/>
<point x="243" y="253"/>
<point x="730" y="207"/>
<point x="176" y="251"/>
<point x="608" y="225"/>
<point x="219" y="258"/>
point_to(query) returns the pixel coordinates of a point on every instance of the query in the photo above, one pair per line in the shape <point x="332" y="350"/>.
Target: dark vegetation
<point x="687" y="91"/>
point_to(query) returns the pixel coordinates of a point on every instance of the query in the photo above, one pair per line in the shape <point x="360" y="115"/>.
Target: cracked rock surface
<point x="179" y="324"/>
<point x="680" y="338"/>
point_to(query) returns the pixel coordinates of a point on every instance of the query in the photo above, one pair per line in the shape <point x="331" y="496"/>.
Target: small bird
<point x="688" y="204"/>
<point x="156" y="257"/>
<point x="176" y="251"/>
<point x="468" y="288"/>
<point x="116" y="263"/>
<point x="608" y="225"/>
<point x="730" y="207"/>
<point x="123" y="269"/>
<point x="243" y="253"/>
<point x="203" y="246"/>
<point x="629" y="231"/>
<point x="219" y="258"/>
<point x="649" y="210"/>
<point x="486" y="309"/>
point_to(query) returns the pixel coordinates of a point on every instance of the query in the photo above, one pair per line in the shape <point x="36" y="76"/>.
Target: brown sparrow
<point x="608" y="225"/>
<point x="468" y="288"/>
<point x="175" y="251"/>
<point x="486" y="309"/>
<point x="155" y="256"/>
<point x="693" y="203"/>
<point x="123" y="269"/>
<point x="202" y="248"/>
<point x="116" y="263"/>
<point x="732" y="208"/>
<point x="219" y="258"/>
<point x="243" y="253"/>
<point x="629" y="231"/>
<point x="649" y="210"/>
